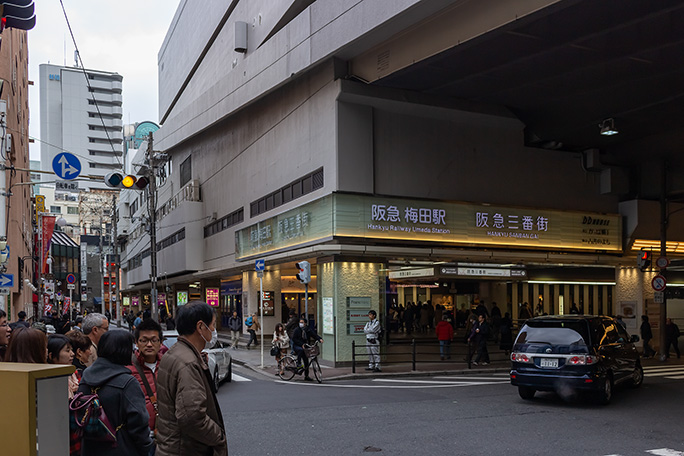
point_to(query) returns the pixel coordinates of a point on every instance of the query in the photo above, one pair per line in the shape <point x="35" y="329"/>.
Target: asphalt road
<point x="464" y="415"/>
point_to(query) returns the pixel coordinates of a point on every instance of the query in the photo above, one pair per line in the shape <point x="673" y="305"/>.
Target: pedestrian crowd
<point x="129" y="395"/>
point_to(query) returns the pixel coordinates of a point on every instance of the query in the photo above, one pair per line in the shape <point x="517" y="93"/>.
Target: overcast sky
<point x="122" y="36"/>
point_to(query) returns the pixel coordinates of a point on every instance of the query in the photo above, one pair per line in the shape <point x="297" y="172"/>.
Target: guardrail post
<point x="353" y="356"/>
<point x="413" y="354"/>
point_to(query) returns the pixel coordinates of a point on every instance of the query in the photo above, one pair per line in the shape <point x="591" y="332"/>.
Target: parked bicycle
<point x="288" y="367"/>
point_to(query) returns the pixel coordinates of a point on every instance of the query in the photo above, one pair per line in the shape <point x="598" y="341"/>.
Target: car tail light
<point x="521" y="358"/>
<point x="581" y="360"/>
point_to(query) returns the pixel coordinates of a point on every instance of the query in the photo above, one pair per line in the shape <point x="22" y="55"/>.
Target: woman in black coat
<point x="120" y="395"/>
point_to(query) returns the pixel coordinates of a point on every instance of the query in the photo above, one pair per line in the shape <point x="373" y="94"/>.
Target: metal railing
<point x="421" y="351"/>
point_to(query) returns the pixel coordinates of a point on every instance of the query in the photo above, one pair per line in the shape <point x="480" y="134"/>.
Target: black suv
<point x="569" y="353"/>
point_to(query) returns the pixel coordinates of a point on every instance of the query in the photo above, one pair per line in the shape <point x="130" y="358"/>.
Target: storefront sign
<point x="328" y="316"/>
<point x="407" y="273"/>
<point x="399" y="219"/>
<point x="126" y="301"/>
<point x="310" y="222"/>
<point x="212" y="296"/>
<point x="181" y="298"/>
<point x="355" y="328"/>
<point x="233" y="287"/>
<point x="357" y="315"/>
<point x="359" y="303"/>
<point x="40" y="203"/>
<point x="135" y="301"/>
<point x="269" y="304"/>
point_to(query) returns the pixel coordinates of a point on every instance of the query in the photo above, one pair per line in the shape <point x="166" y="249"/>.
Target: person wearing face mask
<point x="302" y="335"/>
<point x="189" y="419"/>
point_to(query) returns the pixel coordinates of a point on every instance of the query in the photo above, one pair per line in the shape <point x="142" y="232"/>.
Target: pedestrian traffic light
<point x="644" y="260"/>
<point x="118" y="180"/>
<point x="304" y="274"/>
<point x="18" y="14"/>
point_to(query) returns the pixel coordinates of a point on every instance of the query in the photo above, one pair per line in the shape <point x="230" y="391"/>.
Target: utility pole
<point x="152" y="209"/>
<point x="102" y="260"/>
<point x="115" y="257"/>
<point x="662" y="339"/>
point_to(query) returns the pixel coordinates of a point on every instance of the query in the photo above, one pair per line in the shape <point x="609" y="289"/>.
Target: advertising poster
<point x="328" y="319"/>
<point x="269" y="304"/>
<point x="181" y="298"/>
<point x="628" y="311"/>
<point x="212" y="295"/>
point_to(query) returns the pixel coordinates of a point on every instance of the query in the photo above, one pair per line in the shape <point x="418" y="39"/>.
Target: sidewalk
<point x="251" y="358"/>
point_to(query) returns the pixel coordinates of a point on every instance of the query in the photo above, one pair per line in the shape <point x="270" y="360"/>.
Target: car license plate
<point x="548" y="362"/>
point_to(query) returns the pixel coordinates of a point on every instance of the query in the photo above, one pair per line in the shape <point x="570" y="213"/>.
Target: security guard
<point x="372" y="331"/>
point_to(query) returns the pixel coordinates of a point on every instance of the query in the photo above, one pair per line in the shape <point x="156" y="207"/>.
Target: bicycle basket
<point x="312" y="350"/>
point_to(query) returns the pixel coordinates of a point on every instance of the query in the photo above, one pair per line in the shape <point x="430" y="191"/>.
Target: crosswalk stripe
<point x="660" y="374"/>
<point x="656" y="368"/>
<point x="665" y="452"/>
<point x="240" y="378"/>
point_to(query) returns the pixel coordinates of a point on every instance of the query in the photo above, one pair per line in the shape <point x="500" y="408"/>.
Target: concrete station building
<point x="447" y="151"/>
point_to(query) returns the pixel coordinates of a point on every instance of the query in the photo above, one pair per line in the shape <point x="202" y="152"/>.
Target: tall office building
<point x="81" y="113"/>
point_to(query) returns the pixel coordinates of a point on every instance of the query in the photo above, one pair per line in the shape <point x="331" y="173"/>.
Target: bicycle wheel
<point x="287" y="367"/>
<point x="317" y="370"/>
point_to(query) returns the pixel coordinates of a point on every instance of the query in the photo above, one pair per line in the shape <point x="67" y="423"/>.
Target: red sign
<point x="47" y="229"/>
<point x="48" y="306"/>
<point x="67" y="304"/>
<point x="212" y="296"/>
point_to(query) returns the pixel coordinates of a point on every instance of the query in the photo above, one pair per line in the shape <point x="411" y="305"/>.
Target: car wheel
<point x="229" y="377"/>
<point x="526" y="392"/>
<point x="606" y="393"/>
<point x="217" y="381"/>
<point x="637" y="375"/>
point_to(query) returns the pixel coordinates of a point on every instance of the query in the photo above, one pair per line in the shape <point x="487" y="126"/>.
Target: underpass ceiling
<point x="565" y="68"/>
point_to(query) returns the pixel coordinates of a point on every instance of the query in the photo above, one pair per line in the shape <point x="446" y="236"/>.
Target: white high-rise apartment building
<point x="81" y="114"/>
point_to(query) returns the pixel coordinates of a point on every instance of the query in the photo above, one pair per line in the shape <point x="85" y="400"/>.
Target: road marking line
<point x="665" y="452"/>
<point x="328" y="385"/>
<point x="240" y="378"/>
<point x="678" y="377"/>
<point x="432" y="382"/>
<point x="472" y="378"/>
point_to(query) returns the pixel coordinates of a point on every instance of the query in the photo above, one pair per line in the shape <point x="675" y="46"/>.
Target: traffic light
<point x="18" y="14"/>
<point x="118" y="180"/>
<point x="644" y="260"/>
<point x="304" y="274"/>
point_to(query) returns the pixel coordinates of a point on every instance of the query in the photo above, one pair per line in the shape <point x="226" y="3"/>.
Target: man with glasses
<point x="94" y="326"/>
<point x="148" y="338"/>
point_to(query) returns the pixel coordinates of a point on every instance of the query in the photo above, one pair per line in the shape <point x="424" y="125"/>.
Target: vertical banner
<point x="67" y="304"/>
<point x="212" y="295"/>
<point x="46" y="230"/>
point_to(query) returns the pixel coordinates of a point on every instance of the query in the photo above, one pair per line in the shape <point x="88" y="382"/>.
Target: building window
<point x="186" y="171"/>
<point x="72" y="210"/>
<point x="56" y="209"/>
<point x="224" y="223"/>
<point x="300" y="187"/>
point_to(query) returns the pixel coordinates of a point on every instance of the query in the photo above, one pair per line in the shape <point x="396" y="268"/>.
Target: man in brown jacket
<point x="186" y="397"/>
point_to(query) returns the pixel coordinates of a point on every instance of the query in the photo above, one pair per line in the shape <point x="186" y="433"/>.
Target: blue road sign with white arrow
<point x="259" y="265"/>
<point x="66" y="166"/>
<point x="7" y="280"/>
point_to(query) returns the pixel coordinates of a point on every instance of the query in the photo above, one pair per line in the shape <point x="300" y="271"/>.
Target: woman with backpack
<point x="120" y="397"/>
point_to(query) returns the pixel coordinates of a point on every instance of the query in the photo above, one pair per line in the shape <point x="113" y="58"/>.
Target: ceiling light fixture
<point x="607" y="127"/>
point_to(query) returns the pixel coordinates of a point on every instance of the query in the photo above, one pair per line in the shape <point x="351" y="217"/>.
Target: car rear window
<point x="560" y="336"/>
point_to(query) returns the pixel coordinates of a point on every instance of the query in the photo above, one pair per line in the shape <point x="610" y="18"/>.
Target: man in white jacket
<point x="372" y="331"/>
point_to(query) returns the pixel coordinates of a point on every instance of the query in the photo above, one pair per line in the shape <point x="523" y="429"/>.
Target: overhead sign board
<point x="66" y="166"/>
<point x="409" y="273"/>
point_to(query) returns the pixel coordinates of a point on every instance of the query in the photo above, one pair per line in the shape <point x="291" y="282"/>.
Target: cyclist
<point x="301" y="336"/>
